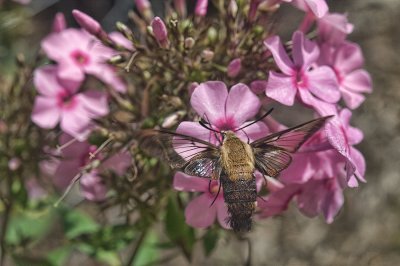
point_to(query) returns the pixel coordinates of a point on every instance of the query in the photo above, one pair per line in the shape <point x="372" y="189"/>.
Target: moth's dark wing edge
<point x="272" y="153"/>
<point x="193" y="156"/>
<point x="292" y="138"/>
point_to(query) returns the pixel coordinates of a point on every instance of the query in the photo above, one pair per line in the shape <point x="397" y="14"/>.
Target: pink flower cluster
<point x="75" y="157"/>
<point x="317" y="74"/>
<point x="62" y="98"/>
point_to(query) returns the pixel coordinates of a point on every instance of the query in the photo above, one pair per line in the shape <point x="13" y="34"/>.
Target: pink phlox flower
<point x="314" y="85"/>
<point x="225" y="111"/>
<point x="78" y="53"/>
<point x="317" y="7"/>
<point x="76" y="156"/>
<point x="199" y="212"/>
<point x="333" y="28"/>
<point x="314" y="181"/>
<point x="346" y="60"/>
<point x="59" y="101"/>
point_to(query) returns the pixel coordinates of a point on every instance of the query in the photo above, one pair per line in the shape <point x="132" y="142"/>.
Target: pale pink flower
<point x="300" y="76"/>
<point x="199" y="212"/>
<point x="333" y="28"/>
<point x="346" y="60"/>
<point x="224" y="110"/>
<point x="59" y="101"/>
<point x="78" y="53"/>
<point x="75" y="156"/>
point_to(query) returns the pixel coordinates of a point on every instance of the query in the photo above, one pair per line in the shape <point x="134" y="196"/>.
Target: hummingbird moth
<point x="233" y="162"/>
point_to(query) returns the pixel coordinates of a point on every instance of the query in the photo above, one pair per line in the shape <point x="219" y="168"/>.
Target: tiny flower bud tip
<point x="88" y="23"/>
<point x="201" y="8"/>
<point x="180" y="6"/>
<point x="160" y="31"/>
<point x="234" y="67"/>
<point x="59" y="23"/>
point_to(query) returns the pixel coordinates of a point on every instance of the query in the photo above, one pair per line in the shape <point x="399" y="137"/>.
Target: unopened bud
<point x="14" y="163"/>
<point x="258" y="86"/>
<point x="59" y="23"/>
<point x="144" y="8"/>
<point x="173" y="119"/>
<point x="89" y="24"/>
<point x="207" y="55"/>
<point x="180" y="6"/>
<point x="253" y="10"/>
<point x="121" y="27"/>
<point x="212" y="34"/>
<point x="160" y="32"/>
<point x="233" y="8"/>
<point x="189" y="42"/>
<point x="201" y="8"/>
<point x="234" y="67"/>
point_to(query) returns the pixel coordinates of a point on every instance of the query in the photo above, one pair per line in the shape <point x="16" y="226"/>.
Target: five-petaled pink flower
<point x="76" y="156"/>
<point x="346" y="60"/>
<point x="300" y="76"/>
<point x="78" y="53"/>
<point x="60" y="101"/>
<point x="224" y="110"/>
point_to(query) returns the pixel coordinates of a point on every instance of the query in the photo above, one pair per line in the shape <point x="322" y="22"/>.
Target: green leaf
<point x="148" y="252"/>
<point x="210" y="241"/>
<point x="26" y="226"/>
<point x="177" y="230"/>
<point x="109" y="257"/>
<point x="58" y="257"/>
<point x="77" y="223"/>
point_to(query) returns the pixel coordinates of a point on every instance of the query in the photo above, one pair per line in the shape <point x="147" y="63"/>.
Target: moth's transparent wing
<point x="272" y="153"/>
<point x="193" y="156"/>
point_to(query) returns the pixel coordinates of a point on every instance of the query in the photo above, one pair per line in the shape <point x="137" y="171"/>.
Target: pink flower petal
<point x="359" y="162"/>
<point x="253" y="132"/>
<point x="333" y="28"/>
<point x="318" y="7"/>
<point x="69" y="71"/>
<point x="74" y="150"/>
<point x="305" y="52"/>
<point x="65" y="172"/>
<point x="92" y="187"/>
<point x="280" y="88"/>
<point x="46" y="112"/>
<point x="241" y="104"/>
<point x="120" y="39"/>
<point x="208" y="99"/>
<point x="322" y="83"/>
<point x="183" y="182"/>
<point x="277" y="202"/>
<point x="299" y="171"/>
<point x="198" y="212"/>
<point x="118" y="163"/>
<point x="348" y="58"/>
<point x="76" y="122"/>
<point x="352" y="99"/>
<point x="95" y="102"/>
<point x="222" y="213"/>
<point x="45" y="80"/>
<point x="281" y="57"/>
<point x="358" y="81"/>
<point x="332" y="202"/>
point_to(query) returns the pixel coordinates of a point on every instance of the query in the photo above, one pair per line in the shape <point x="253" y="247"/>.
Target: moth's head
<point x="227" y="134"/>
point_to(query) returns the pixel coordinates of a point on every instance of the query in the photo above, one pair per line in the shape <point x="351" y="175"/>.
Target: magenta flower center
<point x="66" y="100"/>
<point x="80" y="58"/>
<point x="300" y="80"/>
<point x="225" y="123"/>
